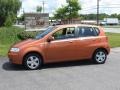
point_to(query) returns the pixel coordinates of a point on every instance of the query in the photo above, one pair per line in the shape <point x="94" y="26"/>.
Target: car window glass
<point x="86" y="31"/>
<point x="45" y="32"/>
<point x="64" y="33"/>
<point x="97" y="31"/>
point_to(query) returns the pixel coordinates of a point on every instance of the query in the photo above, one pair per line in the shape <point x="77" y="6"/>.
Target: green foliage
<point x="8" y="21"/>
<point x="73" y="8"/>
<point x="69" y="11"/>
<point x="93" y="16"/>
<point x="118" y="16"/>
<point x="114" y="39"/>
<point x="21" y="18"/>
<point x="101" y="16"/>
<point x="8" y="9"/>
<point x="114" y="15"/>
<point x="8" y="36"/>
<point x="26" y="35"/>
<point x="61" y="13"/>
<point x="39" y="9"/>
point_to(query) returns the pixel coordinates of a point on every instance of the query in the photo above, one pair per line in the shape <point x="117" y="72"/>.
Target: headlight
<point x="14" y="49"/>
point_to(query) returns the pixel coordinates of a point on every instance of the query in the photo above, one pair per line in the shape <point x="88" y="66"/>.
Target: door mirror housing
<point x="51" y="38"/>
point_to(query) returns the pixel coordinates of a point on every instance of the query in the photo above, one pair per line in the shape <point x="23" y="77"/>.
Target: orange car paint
<point x="77" y="48"/>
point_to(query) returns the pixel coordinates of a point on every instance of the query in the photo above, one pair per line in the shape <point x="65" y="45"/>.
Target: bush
<point x="26" y="35"/>
<point x="8" y="35"/>
<point x="8" y="22"/>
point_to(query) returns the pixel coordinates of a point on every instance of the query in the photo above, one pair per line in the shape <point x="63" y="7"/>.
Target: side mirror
<point x="51" y="38"/>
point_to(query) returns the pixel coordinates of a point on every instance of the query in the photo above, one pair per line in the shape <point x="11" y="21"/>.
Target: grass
<point x="112" y="26"/>
<point x="4" y="49"/>
<point x="114" y="39"/>
<point x="8" y="36"/>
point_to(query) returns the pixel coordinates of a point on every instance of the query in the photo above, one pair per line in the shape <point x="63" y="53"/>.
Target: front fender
<point x="31" y="49"/>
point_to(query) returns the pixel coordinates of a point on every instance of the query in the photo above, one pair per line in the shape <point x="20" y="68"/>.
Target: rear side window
<point x="87" y="31"/>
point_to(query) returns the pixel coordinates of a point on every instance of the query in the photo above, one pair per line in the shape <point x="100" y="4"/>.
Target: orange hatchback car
<point x="62" y="43"/>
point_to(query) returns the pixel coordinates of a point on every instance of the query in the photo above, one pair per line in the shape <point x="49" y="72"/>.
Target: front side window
<point x="64" y="33"/>
<point x="48" y="30"/>
<point x="86" y="32"/>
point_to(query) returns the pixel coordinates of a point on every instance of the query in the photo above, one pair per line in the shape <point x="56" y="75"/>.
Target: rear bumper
<point x="108" y="50"/>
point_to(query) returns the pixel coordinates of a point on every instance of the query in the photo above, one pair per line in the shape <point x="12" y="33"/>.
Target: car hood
<point x="23" y="43"/>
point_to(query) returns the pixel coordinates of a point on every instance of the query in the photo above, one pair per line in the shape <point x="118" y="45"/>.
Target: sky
<point x="88" y="6"/>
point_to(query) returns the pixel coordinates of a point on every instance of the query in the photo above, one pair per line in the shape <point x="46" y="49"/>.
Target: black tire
<point x="99" y="56"/>
<point x="32" y="61"/>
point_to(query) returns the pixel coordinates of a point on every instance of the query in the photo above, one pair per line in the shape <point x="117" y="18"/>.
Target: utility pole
<point x="97" y="12"/>
<point x="43" y="6"/>
<point x="24" y="18"/>
<point x="69" y="11"/>
<point x="43" y="3"/>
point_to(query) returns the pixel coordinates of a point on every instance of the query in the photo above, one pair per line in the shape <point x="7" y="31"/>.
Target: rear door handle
<point x="70" y="41"/>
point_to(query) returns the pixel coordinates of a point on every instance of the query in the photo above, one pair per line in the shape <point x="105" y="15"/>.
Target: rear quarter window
<point x="87" y="31"/>
<point x="97" y="31"/>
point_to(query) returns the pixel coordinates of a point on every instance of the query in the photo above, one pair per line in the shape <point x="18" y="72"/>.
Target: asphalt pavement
<point x="82" y="75"/>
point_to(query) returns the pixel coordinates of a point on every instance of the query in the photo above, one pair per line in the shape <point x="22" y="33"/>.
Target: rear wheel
<point x="32" y="61"/>
<point x="100" y="56"/>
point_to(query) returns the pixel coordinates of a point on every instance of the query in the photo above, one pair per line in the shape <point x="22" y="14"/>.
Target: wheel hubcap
<point x="33" y="62"/>
<point x="100" y="56"/>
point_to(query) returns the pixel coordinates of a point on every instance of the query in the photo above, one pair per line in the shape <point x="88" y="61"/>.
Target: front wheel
<point x="32" y="61"/>
<point x="99" y="56"/>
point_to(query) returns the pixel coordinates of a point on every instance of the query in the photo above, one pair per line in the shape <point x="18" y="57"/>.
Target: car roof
<point x="76" y="25"/>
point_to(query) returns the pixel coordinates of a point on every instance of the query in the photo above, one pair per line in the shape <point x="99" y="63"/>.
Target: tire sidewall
<point x="26" y="58"/>
<point x="94" y="56"/>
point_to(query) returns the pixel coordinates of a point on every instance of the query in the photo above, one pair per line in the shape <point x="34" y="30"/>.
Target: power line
<point x="99" y="7"/>
<point x="110" y="5"/>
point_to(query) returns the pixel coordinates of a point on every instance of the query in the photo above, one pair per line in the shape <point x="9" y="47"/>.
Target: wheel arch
<point x="101" y="48"/>
<point x="93" y="56"/>
<point x="35" y="53"/>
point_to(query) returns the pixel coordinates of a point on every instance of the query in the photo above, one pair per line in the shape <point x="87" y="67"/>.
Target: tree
<point x="8" y="21"/>
<point x="119" y="16"/>
<point x="73" y="8"/>
<point x="21" y="18"/>
<point x="69" y="11"/>
<point x="61" y="13"/>
<point x="114" y="15"/>
<point x="39" y="9"/>
<point x="93" y="16"/>
<point x="8" y="11"/>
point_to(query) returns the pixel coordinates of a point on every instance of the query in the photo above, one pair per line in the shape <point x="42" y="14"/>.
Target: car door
<point x="63" y="47"/>
<point x="86" y="43"/>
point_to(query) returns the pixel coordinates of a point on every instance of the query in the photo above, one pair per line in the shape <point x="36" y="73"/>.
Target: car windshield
<point x="48" y="30"/>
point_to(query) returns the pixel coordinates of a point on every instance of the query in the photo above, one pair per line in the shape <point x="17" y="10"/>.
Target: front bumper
<point x="14" y="58"/>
